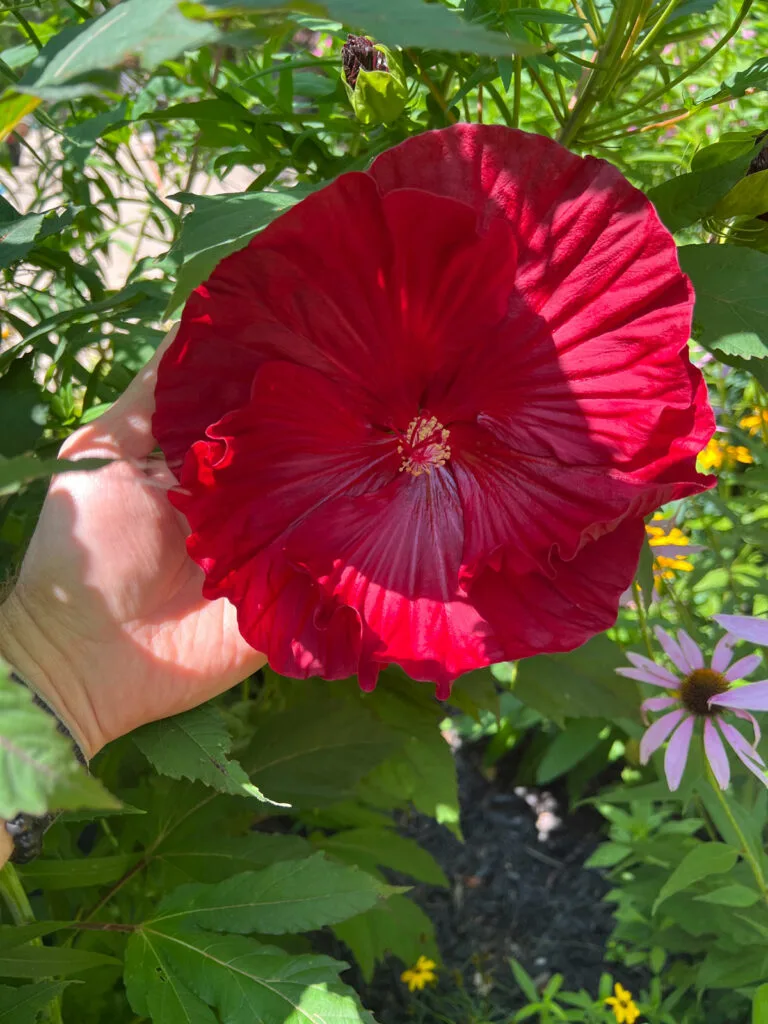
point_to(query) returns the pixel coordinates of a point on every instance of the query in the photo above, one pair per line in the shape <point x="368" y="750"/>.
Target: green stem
<point x="499" y="101"/>
<point x="642" y="619"/>
<point x="746" y="850"/>
<point x="518" y="86"/>
<point x="15" y="899"/>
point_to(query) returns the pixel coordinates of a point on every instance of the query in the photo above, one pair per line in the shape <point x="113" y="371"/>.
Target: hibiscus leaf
<point x="242" y="979"/>
<point x="73" y="63"/>
<point x="288" y="896"/>
<point x="218" y="226"/>
<point x="731" y="285"/>
<point x="38" y="768"/>
<point x="215" y="858"/>
<point x="48" y="961"/>
<point x="22" y="1005"/>
<point x="370" y="848"/>
<point x="194" y="745"/>
<point x="580" y="684"/>
<point x="72" y="874"/>
<point x="398" y="928"/>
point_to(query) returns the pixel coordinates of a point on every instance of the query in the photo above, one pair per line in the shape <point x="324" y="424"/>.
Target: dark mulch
<point x="518" y="888"/>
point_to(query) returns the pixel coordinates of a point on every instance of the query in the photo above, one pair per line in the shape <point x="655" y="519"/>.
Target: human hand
<point x="106" y="619"/>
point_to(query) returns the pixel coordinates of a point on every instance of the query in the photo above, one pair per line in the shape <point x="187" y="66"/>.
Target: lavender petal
<point x="743" y="667"/>
<point x="657" y="733"/>
<point x="716" y="755"/>
<point x="677" y="752"/>
<point x="672" y="650"/>
<point x="752" y="697"/>
<point x="745" y="627"/>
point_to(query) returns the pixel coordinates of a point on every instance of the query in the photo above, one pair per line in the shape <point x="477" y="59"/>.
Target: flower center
<point x="699" y="687"/>
<point x="424" y="445"/>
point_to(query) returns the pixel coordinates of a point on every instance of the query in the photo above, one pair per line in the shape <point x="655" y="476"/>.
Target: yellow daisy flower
<point x="421" y="974"/>
<point x="755" y="421"/>
<point x="660" y="535"/>
<point x="624" y="1008"/>
<point x="720" y="455"/>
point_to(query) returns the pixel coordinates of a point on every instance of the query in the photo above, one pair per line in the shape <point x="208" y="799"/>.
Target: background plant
<point x="137" y="114"/>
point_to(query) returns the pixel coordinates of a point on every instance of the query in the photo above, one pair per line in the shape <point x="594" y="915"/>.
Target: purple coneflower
<point x="702" y="693"/>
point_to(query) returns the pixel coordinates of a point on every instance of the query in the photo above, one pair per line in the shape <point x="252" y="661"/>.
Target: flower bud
<point x="374" y="79"/>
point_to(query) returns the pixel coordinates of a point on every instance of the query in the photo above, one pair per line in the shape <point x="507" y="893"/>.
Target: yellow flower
<point x="659" y="535"/>
<point x="718" y="455"/>
<point x="421" y="974"/>
<point x="755" y="421"/>
<point x="624" y="1008"/>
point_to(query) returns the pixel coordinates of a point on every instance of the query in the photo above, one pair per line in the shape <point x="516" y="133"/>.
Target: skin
<point x="106" y="619"/>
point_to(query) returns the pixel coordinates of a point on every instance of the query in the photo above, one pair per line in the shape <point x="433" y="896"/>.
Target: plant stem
<point x="15" y="899"/>
<point x="746" y="850"/>
<point x="642" y="619"/>
<point x="518" y="86"/>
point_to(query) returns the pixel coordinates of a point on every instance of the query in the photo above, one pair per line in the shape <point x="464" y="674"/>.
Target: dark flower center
<point x="360" y="53"/>
<point x="424" y="445"/>
<point x="699" y="687"/>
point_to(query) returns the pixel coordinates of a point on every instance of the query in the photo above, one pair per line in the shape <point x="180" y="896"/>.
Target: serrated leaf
<point x="580" y="684"/>
<point x="38" y="768"/>
<point x="194" y="745"/>
<point x="398" y="928"/>
<point x="155" y="993"/>
<point x="315" y="753"/>
<point x="48" y="961"/>
<point x="214" y="859"/>
<point x="71" y="874"/>
<point x="370" y="848"/>
<point x="220" y="225"/>
<point x="247" y="982"/>
<point x="702" y="861"/>
<point x="72" y="64"/>
<point x="731" y="285"/>
<point x="17" y="934"/>
<point x="291" y="896"/>
<point x="21" y="1005"/>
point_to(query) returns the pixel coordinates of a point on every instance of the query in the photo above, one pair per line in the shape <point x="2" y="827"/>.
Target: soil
<point x="519" y="889"/>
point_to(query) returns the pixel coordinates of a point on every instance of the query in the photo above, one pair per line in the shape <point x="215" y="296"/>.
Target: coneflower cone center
<point x="424" y="445"/>
<point x="699" y="687"/>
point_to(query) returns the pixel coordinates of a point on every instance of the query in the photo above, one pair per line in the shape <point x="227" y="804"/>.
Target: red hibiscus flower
<point x="420" y="417"/>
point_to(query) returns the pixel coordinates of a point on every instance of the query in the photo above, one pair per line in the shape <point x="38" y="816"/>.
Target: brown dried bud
<point x="359" y="53"/>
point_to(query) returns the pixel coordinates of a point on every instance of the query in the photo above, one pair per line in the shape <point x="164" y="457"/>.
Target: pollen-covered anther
<point x="425" y="445"/>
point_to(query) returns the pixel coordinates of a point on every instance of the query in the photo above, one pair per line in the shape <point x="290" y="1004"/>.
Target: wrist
<point x="41" y="655"/>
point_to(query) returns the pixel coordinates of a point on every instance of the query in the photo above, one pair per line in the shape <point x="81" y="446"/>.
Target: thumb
<point x="124" y="430"/>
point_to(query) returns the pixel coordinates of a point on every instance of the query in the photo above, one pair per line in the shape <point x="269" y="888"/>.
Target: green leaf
<point x="475" y="692"/>
<point x="153" y="992"/>
<point x="398" y="928"/>
<point x="381" y="847"/>
<point x="216" y="858"/>
<point x="14" y="107"/>
<point x="23" y="469"/>
<point x="218" y="226"/>
<point x="570" y="746"/>
<point x="702" y="861"/>
<point x="242" y="979"/>
<point x="17" y="934"/>
<point x="38" y="768"/>
<point x="71" y="874"/>
<point x="731" y="896"/>
<point x="760" y="1005"/>
<point x="580" y="684"/>
<point x="731" y="285"/>
<point x="315" y="753"/>
<point x="747" y="198"/>
<point x="194" y="745"/>
<point x="21" y="1005"/>
<point x="22" y="412"/>
<point x="17" y="233"/>
<point x="688" y="198"/>
<point x="291" y="896"/>
<point x="72" y="63"/>
<point x="524" y="980"/>
<point x="48" y="961"/>
<point x="735" y="85"/>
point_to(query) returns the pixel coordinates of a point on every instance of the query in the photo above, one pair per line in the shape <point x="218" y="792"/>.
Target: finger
<point x="124" y="430"/>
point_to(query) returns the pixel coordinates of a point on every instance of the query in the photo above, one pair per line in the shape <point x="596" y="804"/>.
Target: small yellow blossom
<point x="624" y="1008"/>
<point x="659" y="535"/>
<point x="421" y="974"/>
<point x="755" y="421"/>
<point x="718" y="455"/>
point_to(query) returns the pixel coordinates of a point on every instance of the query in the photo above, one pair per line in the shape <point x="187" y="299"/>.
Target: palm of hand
<point x="114" y="590"/>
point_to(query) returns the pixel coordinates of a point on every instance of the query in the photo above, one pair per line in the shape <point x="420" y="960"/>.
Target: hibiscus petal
<point x="691" y="651"/>
<point x="402" y="551"/>
<point x="672" y="650"/>
<point x="743" y="667"/>
<point x="660" y="673"/>
<point x="676" y="754"/>
<point x="752" y="697"/>
<point x="654" y="736"/>
<point x="745" y="627"/>
<point x="723" y="653"/>
<point x="532" y="613"/>
<point x="716" y="755"/>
